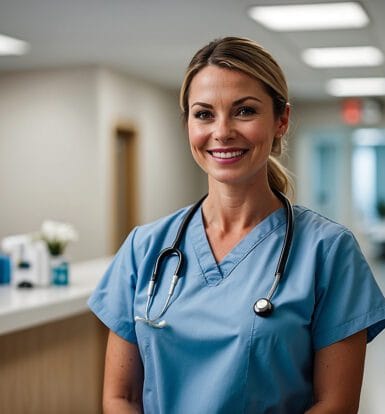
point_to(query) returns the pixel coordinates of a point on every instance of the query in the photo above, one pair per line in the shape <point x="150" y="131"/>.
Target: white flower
<point x="57" y="235"/>
<point x="58" y="232"/>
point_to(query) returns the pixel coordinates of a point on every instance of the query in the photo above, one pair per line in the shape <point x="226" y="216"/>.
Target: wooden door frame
<point x="125" y="128"/>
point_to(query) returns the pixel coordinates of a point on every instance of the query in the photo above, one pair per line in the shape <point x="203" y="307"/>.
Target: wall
<point x="167" y="177"/>
<point x="48" y="153"/>
<point x="55" y="151"/>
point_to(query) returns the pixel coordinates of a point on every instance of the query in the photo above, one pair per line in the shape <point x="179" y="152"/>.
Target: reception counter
<point x="52" y="347"/>
<point x="25" y="308"/>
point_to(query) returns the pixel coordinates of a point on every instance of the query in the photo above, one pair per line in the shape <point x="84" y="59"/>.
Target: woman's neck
<point x="237" y="208"/>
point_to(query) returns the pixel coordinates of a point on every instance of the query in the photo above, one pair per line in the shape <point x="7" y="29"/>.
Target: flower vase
<point x="59" y="270"/>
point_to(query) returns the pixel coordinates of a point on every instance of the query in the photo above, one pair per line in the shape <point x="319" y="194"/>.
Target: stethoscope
<point x="262" y="307"/>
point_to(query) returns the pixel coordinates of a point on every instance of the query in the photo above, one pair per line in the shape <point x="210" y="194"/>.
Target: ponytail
<point x="278" y="176"/>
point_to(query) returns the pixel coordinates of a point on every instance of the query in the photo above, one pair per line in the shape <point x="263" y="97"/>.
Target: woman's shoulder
<point x="163" y="222"/>
<point x="160" y="231"/>
<point x="317" y="226"/>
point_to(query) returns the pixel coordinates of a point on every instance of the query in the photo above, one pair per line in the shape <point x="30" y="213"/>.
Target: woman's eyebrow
<point x="205" y="105"/>
<point x="235" y="103"/>
<point x="246" y="98"/>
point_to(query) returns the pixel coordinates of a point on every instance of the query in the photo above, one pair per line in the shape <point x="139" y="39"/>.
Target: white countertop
<point x="25" y="308"/>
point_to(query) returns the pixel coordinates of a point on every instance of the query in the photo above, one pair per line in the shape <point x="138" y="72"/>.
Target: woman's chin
<point x="230" y="179"/>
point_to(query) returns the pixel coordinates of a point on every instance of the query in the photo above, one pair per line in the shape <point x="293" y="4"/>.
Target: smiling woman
<point x="263" y="75"/>
<point x="299" y="349"/>
<point x="232" y="132"/>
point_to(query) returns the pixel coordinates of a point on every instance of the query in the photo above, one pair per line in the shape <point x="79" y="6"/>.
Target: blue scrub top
<point x="215" y="356"/>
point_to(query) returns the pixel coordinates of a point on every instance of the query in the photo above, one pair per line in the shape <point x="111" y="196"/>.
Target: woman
<point x="209" y="351"/>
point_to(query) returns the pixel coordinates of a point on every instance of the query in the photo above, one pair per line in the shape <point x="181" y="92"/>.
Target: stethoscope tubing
<point x="173" y="250"/>
<point x="262" y="307"/>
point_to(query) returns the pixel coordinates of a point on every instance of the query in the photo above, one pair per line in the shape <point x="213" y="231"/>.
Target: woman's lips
<point x="227" y="155"/>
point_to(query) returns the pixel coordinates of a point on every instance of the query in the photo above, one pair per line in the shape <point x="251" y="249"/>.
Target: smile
<point x="227" y="154"/>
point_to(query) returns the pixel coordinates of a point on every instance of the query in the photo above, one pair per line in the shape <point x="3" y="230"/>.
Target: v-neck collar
<point x="214" y="272"/>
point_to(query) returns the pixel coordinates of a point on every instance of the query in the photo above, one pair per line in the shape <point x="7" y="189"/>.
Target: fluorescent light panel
<point x="328" y="57"/>
<point x="356" y="87"/>
<point x="319" y="16"/>
<point x="12" y="46"/>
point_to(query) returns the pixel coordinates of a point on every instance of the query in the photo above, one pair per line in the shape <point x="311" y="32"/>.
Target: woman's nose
<point x="223" y="130"/>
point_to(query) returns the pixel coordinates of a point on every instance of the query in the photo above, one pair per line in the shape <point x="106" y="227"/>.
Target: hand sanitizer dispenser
<point x="29" y="261"/>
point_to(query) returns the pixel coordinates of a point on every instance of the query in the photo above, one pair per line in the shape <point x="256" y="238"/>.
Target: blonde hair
<point x="249" y="57"/>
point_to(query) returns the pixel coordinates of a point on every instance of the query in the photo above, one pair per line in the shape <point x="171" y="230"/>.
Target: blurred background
<point x="91" y="132"/>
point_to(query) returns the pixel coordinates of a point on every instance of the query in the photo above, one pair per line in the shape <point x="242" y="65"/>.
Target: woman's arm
<point x="338" y="371"/>
<point x="123" y="377"/>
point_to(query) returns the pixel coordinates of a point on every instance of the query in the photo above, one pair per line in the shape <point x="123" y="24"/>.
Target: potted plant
<point x="57" y="235"/>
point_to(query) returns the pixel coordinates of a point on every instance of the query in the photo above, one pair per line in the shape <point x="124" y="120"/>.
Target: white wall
<point x="55" y="140"/>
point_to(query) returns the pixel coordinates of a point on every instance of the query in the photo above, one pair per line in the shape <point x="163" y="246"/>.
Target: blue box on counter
<point x="5" y="270"/>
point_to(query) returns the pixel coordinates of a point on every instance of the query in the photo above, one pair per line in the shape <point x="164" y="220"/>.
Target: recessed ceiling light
<point x="12" y="46"/>
<point x="319" y="16"/>
<point x="327" y="57"/>
<point x="356" y="87"/>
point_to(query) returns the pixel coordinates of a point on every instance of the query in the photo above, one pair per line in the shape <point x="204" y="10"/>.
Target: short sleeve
<point x="113" y="299"/>
<point x="348" y="298"/>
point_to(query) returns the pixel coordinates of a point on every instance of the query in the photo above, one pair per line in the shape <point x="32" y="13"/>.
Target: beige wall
<point x="56" y="128"/>
<point x="168" y="177"/>
<point x="48" y="153"/>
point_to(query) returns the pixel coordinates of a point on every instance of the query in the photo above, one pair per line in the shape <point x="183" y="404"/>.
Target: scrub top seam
<point x="202" y="270"/>
<point x="316" y="213"/>
<point x="248" y="366"/>
<point x="210" y="272"/>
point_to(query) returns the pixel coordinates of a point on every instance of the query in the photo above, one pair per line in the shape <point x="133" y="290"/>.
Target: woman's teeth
<point x="231" y="154"/>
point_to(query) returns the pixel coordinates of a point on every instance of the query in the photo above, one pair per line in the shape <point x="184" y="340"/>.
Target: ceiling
<point x="154" y="39"/>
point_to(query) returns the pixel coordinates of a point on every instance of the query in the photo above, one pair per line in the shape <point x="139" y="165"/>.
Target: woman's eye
<point x="245" y="111"/>
<point x="203" y="115"/>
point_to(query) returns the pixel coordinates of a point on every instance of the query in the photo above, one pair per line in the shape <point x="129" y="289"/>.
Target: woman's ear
<point x="283" y="124"/>
<point x="282" y="127"/>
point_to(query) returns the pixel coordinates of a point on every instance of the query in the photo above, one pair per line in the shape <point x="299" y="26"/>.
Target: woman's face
<point x="231" y="125"/>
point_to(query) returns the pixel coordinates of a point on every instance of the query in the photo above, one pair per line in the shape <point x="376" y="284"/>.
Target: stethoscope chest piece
<point x="263" y="307"/>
